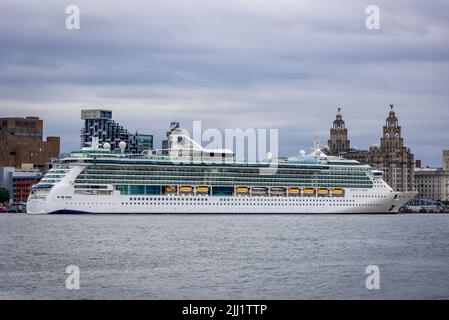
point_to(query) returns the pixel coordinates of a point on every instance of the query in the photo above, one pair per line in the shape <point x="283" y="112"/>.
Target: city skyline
<point x="160" y="135"/>
<point x="286" y="65"/>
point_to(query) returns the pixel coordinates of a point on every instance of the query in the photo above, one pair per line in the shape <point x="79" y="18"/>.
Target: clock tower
<point x="392" y="138"/>
<point x="339" y="143"/>
<point x="393" y="157"/>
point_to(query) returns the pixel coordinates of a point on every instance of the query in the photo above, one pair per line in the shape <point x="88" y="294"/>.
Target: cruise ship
<point x="190" y="179"/>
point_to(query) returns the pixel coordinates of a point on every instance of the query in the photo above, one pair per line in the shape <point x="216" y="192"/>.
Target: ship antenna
<point x="316" y="143"/>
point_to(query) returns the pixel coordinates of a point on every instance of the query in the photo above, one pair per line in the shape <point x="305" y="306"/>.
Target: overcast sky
<point x="285" y="64"/>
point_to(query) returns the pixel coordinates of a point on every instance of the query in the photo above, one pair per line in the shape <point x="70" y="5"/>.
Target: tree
<point x="4" y="195"/>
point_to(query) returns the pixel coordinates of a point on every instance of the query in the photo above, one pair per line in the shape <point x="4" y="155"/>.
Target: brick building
<point x="21" y="143"/>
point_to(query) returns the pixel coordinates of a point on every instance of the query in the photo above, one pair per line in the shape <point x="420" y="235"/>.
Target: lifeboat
<point x="185" y="189"/>
<point x="309" y="191"/>
<point x="294" y="191"/>
<point x="202" y="189"/>
<point x="278" y="191"/>
<point x="242" y="191"/>
<point x="337" y="192"/>
<point x="259" y="191"/>
<point x="323" y="192"/>
<point x="170" y="189"/>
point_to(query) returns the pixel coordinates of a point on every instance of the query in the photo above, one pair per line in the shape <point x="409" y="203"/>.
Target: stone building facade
<point x="433" y="183"/>
<point x="391" y="156"/>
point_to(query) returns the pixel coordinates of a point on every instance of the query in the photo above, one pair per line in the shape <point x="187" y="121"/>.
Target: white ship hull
<point x="354" y="202"/>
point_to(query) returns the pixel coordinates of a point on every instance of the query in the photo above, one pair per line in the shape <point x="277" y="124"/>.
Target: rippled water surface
<point x="224" y="256"/>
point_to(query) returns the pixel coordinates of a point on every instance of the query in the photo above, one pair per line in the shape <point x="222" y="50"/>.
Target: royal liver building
<point x="391" y="156"/>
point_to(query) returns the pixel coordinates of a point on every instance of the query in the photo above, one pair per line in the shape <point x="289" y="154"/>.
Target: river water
<point x="224" y="256"/>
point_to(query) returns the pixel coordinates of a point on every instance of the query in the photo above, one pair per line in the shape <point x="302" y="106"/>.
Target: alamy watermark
<point x="236" y="145"/>
<point x="372" y="21"/>
<point x="373" y="280"/>
<point x="73" y="279"/>
<point x="72" y="22"/>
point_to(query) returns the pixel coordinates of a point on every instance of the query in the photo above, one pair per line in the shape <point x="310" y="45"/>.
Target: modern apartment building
<point x="98" y="123"/>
